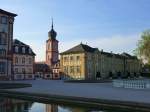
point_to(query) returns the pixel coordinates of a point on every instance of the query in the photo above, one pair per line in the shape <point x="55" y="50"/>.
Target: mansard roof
<point x="126" y="55"/>
<point x="7" y="13"/>
<point x="20" y="45"/>
<point x="111" y="54"/>
<point x="80" y="48"/>
<point x="85" y="48"/>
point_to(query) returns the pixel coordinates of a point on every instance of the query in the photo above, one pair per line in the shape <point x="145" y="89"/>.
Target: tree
<point x="143" y="46"/>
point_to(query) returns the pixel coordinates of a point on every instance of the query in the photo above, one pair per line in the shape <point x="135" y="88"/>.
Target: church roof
<point x="80" y="48"/>
<point x="7" y="13"/>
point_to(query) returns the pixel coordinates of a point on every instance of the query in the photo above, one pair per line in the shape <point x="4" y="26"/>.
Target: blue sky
<point x="111" y="25"/>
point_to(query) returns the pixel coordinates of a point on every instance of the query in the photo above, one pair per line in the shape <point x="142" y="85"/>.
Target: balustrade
<point x="135" y="84"/>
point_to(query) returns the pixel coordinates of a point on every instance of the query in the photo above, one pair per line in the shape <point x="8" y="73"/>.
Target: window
<point x="78" y="58"/>
<point x="30" y="70"/>
<point x="48" y="46"/>
<point x="16" y="70"/>
<point x="4" y="20"/>
<point x="2" y="67"/>
<point x="2" y="52"/>
<point x="23" y="50"/>
<point x="23" y="60"/>
<point x="71" y="58"/>
<point x="30" y="51"/>
<point x="71" y="69"/>
<point x="78" y="69"/>
<point x="30" y="76"/>
<point x="65" y="69"/>
<point x="19" y="76"/>
<point x="2" y="38"/>
<point x="30" y="61"/>
<point x="16" y="60"/>
<point x="16" y="49"/>
<point x="23" y="70"/>
<point x="65" y="59"/>
<point x="48" y="58"/>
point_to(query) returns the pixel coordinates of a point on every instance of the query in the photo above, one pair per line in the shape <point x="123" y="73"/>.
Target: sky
<point x="111" y="25"/>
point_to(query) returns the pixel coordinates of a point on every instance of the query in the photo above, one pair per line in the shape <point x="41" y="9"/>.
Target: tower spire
<point x="52" y="33"/>
<point x="52" y="23"/>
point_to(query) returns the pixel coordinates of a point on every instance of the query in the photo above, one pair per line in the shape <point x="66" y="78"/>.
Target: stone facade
<point x="6" y="38"/>
<point x="85" y="62"/>
<point x="23" y="61"/>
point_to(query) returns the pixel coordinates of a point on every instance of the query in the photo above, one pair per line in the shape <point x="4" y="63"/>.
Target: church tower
<point x="52" y="48"/>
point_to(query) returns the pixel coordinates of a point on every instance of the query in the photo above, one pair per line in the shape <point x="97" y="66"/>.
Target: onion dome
<point x="52" y="33"/>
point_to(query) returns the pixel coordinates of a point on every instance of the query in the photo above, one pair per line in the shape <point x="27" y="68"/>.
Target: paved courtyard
<point x="86" y="90"/>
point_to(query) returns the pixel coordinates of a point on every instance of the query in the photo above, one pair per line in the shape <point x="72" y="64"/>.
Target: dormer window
<point x="23" y="49"/>
<point x="30" y="51"/>
<point x="16" y="49"/>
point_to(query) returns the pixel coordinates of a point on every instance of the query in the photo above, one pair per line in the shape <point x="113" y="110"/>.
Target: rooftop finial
<point x="52" y="23"/>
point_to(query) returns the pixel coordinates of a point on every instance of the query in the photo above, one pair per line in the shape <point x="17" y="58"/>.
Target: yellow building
<point x="85" y="62"/>
<point x="78" y="62"/>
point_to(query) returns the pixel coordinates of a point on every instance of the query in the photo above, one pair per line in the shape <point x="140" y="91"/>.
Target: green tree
<point x="143" y="46"/>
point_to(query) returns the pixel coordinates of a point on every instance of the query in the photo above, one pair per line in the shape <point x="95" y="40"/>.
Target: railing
<point x="135" y="84"/>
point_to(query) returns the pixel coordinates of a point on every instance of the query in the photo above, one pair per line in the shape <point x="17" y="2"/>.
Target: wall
<point x="73" y="65"/>
<point x="25" y="68"/>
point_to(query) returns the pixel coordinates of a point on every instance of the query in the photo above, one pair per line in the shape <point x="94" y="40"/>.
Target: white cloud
<point x="117" y="44"/>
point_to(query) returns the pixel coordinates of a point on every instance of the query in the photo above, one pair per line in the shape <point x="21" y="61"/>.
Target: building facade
<point x="85" y="62"/>
<point x="23" y="61"/>
<point x="6" y="40"/>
